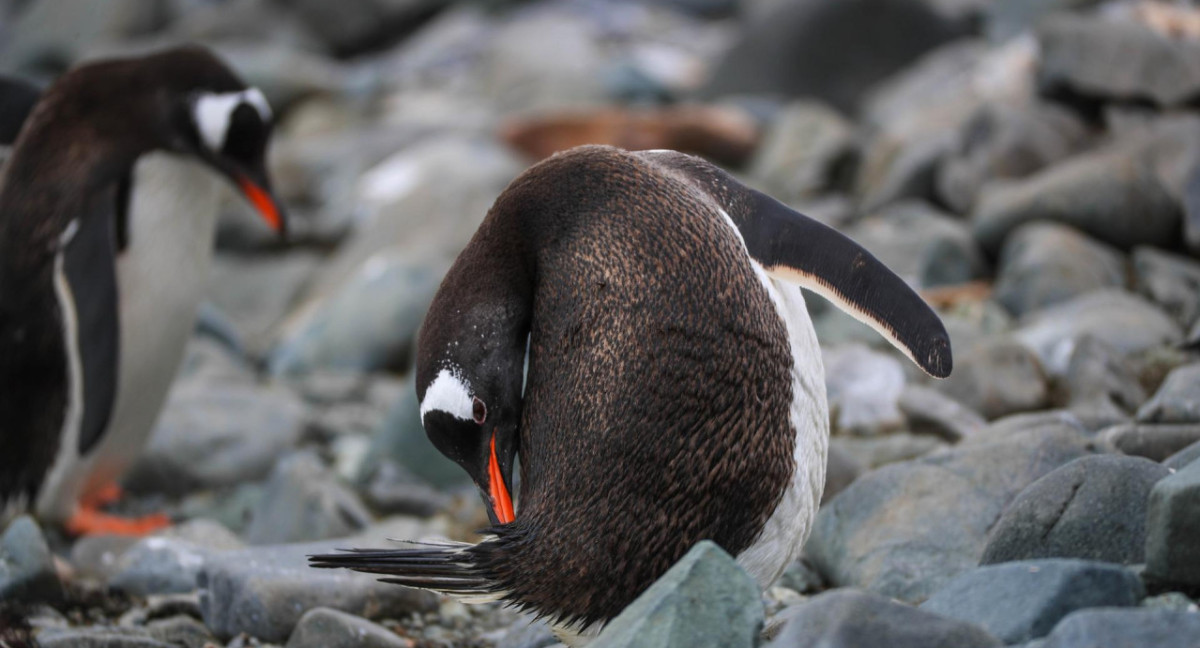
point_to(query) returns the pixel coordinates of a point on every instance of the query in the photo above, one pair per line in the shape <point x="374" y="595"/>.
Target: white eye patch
<point x="447" y="394"/>
<point x="212" y="113"/>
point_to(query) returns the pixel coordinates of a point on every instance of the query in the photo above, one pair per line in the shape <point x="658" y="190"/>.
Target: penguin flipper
<point x="445" y="568"/>
<point x="89" y="264"/>
<point x="795" y="248"/>
<point x="802" y="250"/>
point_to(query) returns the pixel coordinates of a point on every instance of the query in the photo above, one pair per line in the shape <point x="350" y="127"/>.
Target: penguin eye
<point x="478" y="410"/>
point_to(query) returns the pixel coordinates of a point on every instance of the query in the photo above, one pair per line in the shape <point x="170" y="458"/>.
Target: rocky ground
<point x="1033" y="167"/>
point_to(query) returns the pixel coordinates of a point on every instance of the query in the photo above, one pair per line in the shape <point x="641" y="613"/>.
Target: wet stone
<point x="1125" y="628"/>
<point x="1172" y="526"/>
<point x="327" y="628"/>
<point x="1177" y="400"/>
<point x="1155" y="442"/>
<point x="1019" y="601"/>
<point x="1092" y="508"/>
<point x="27" y="571"/>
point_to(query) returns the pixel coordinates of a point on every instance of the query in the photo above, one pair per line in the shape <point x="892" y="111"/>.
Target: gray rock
<point x="863" y="387"/>
<point x="996" y="377"/>
<point x="916" y="119"/>
<point x="1003" y="20"/>
<point x="1092" y="508"/>
<point x="790" y="49"/>
<point x="928" y="411"/>
<point x="45" y="37"/>
<point x="361" y="25"/>
<point x="529" y="634"/>
<point x="401" y="438"/>
<point x="1184" y="457"/>
<point x="426" y="200"/>
<point x="545" y="60"/>
<point x="1126" y="322"/>
<point x="1044" y="422"/>
<point x="170" y="561"/>
<point x="182" y="631"/>
<point x="1097" y="371"/>
<point x="1172" y="526"/>
<point x="705" y="599"/>
<point x="873" y="452"/>
<point x="390" y="489"/>
<point x="801" y="151"/>
<point x="27" y="571"/>
<point x="841" y="469"/>
<point x="925" y="247"/>
<point x="367" y="324"/>
<point x="1154" y="442"/>
<point x="98" y="637"/>
<point x="1113" y="193"/>
<point x="1177" y="400"/>
<point x="327" y="628"/>
<point x="1019" y="601"/>
<point x="850" y="618"/>
<point x="1170" y="280"/>
<point x="1123" y="60"/>
<point x="217" y="433"/>
<point x="257" y="291"/>
<point x="1125" y="628"/>
<point x="1170" y="601"/>
<point x="304" y="500"/>
<point x="1042" y="264"/>
<point x="1006" y="140"/>
<point x="905" y="529"/>
<point x="263" y="591"/>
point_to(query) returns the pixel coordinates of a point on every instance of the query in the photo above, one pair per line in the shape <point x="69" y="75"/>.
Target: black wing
<point x="794" y="247"/>
<point x="89" y="264"/>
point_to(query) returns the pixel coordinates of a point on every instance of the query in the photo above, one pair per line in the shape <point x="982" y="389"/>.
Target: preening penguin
<point x="675" y="390"/>
<point x="107" y="208"/>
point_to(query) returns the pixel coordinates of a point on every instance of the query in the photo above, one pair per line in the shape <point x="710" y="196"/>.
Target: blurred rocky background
<point x="1032" y="166"/>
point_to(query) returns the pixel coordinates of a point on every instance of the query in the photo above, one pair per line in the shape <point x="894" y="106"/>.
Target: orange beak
<point x="263" y="202"/>
<point x="501" y="501"/>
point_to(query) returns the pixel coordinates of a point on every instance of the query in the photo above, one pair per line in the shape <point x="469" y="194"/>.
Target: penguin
<point x="675" y="390"/>
<point x="108" y="204"/>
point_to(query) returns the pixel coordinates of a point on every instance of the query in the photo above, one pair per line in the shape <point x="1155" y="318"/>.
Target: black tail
<point x="446" y="568"/>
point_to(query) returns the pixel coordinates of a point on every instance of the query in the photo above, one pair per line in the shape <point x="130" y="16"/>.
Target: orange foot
<point x="90" y="520"/>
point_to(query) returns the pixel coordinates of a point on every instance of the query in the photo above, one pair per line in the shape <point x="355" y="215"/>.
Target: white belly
<point x="161" y="280"/>
<point x="784" y="534"/>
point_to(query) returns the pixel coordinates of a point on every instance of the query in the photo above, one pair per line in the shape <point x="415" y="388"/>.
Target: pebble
<point x="1126" y="322"/>
<point x="303" y="500"/>
<point x="1171" y="280"/>
<point x="99" y="637"/>
<point x="216" y="432"/>
<point x="997" y="376"/>
<point x="705" y="599"/>
<point x="1094" y="57"/>
<point x="1184" y="457"/>
<point x="905" y="529"/>
<point x="928" y="411"/>
<point x="170" y="562"/>
<point x="1044" y="263"/>
<point x="850" y="618"/>
<point x="1155" y="442"/>
<point x="1098" y="371"/>
<point x="1125" y="628"/>
<point x="1177" y="400"/>
<point x="1020" y="601"/>
<point x="27" y="572"/>
<point x="263" y="591"/>
<point x="1172" y="525"/>
<point x="801" y="150"/>
<point x="863" y="388"/>
<point x="1092" y="508"/>
<point x="328" y="628"/>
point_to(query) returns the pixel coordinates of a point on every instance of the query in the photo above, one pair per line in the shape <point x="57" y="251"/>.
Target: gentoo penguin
<point x="107" y="208"/>
<point x="675" y="390"/>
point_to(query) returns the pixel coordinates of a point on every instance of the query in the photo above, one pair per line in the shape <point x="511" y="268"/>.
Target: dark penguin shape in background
<point x="675" y="389"/>
<point x="107" y="205"/>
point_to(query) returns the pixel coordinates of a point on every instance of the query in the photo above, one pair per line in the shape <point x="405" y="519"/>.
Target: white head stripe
<point x="212" y="113"/>
<point x="447" y="394"/>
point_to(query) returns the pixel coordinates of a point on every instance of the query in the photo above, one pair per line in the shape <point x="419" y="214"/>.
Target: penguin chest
<point x="160" y="281"/>
<point x="162" y="275"/>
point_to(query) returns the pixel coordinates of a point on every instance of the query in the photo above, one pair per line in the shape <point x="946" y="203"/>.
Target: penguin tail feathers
<point x="448" y="568"/>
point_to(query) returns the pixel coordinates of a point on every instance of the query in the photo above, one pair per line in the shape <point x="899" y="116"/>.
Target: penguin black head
<point x="182" y="100"/>
<point x="470" y="370"/>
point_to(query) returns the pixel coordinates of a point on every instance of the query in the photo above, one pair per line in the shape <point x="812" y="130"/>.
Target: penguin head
<point x="470" y="404"/>
<point x="183" y="100"/>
